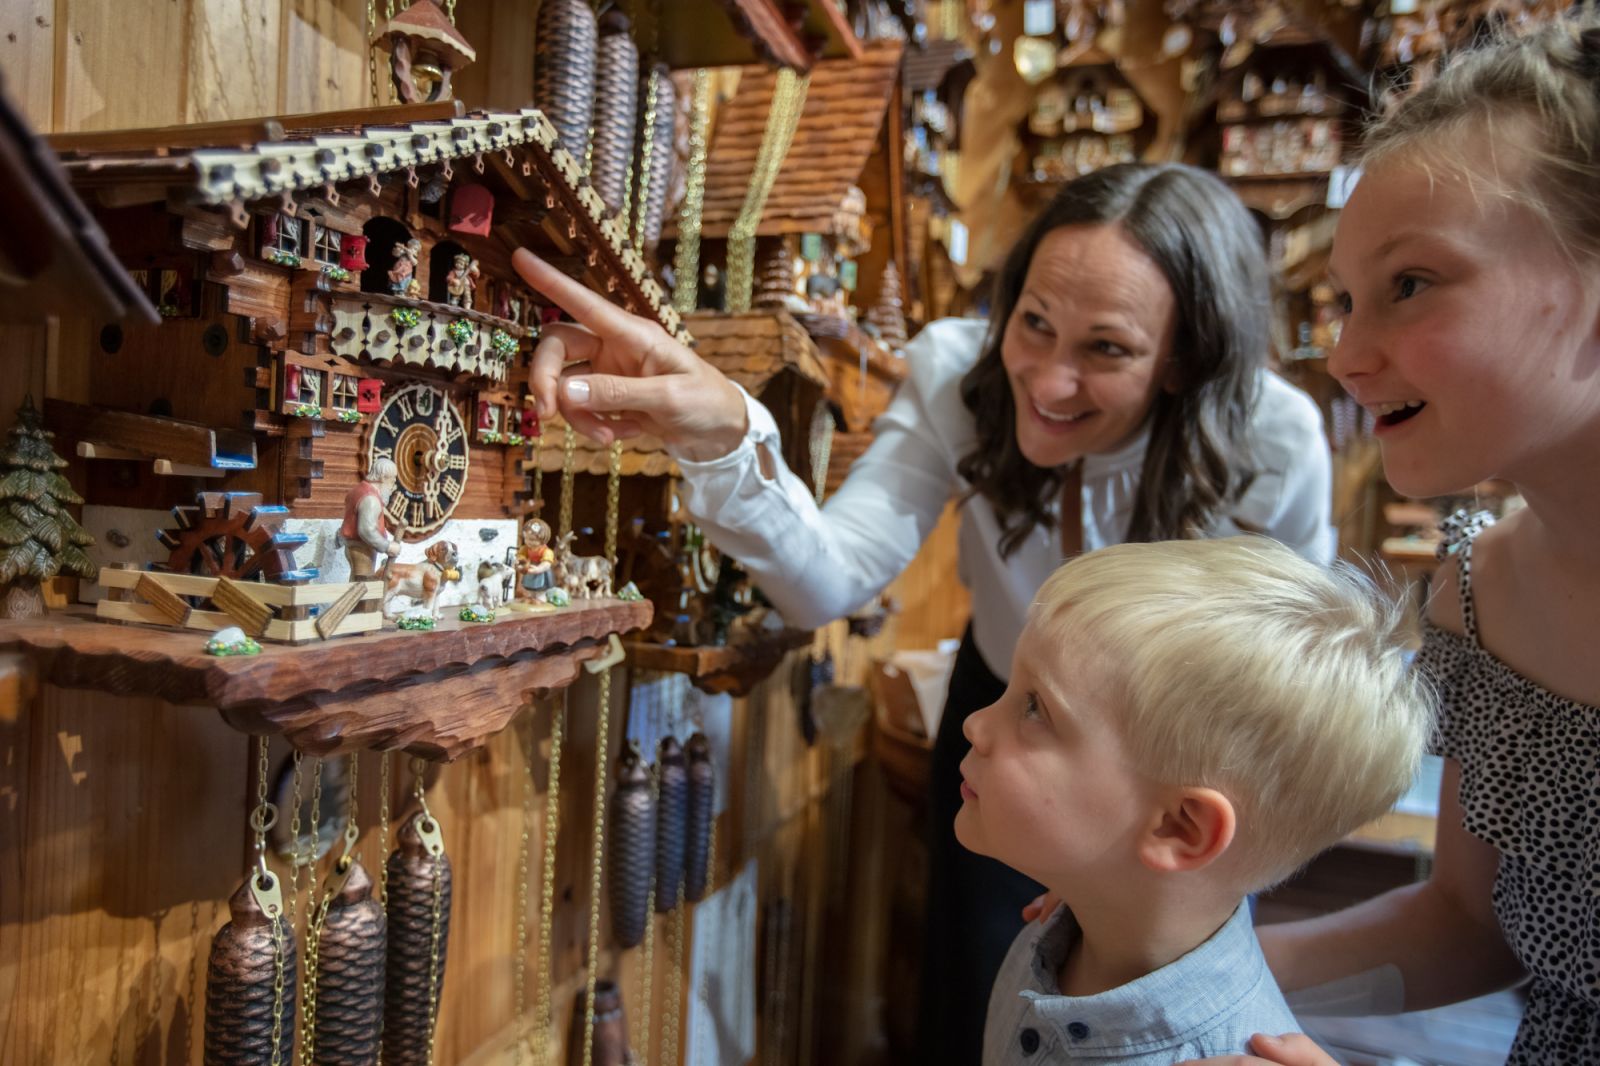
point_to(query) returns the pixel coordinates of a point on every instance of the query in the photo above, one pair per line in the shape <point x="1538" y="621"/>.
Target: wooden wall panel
<point x="120" y="64"/>
<point x="340" y="451"/>
<point x="27" y="55"/>
<point x="322" y="58"/>
<point x="233" y="59"/>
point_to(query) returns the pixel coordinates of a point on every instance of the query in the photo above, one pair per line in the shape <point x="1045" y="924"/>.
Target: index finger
<point x="576" y="299"/>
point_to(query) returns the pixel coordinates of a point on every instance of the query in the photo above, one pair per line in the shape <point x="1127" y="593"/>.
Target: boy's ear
<point x="1192" y="830"/>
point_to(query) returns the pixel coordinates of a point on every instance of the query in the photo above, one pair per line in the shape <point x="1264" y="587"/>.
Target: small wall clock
<point x="421" y="430"/>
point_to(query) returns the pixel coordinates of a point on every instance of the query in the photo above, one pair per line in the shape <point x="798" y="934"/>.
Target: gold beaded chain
<point x="602" y="762"/>
<point x="642" y="200"/>
<point x="788" y="101"/>
<point x="568" y="446"/>
<point x="372" y="47"/>
<point x="674" y="1005"/>
<point x="542" y="1016"/>
<point x="383" y="832"/>
<point x="294" y="845"/>
<point x="686" y="257"/>
<point x="266" y="890"/>
<point x="524" y="856"/>
<point x="427" y="829"/>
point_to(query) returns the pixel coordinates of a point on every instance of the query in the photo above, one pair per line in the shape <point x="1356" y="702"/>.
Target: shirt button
<point x="1078" y="1031"/>
<point x="1030" y="1041"/>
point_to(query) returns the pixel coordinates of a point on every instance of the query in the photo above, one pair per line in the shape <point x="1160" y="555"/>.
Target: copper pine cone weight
<point x="701" y="811"/>
<point x="408" y="988"/>
<point x="350" y="972"/>
<point x="632" y="842"/>
<point x="672" y="815"/>
<point x="242" y="981"/>
<point x="564" y="69"/>
<point x="616" y="105"/>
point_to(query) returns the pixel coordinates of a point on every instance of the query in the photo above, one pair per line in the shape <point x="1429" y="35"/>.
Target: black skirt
<point x="974" y="903"/>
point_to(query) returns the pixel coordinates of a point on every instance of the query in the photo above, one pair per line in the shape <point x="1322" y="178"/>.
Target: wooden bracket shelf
<point x="437" y="694"/>
<point x="731" y="668"/>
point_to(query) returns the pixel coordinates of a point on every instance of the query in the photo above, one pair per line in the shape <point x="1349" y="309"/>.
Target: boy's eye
<point x="1406" y="286"/>
<point x="1030" y="708"/>
<point x="1343" y="303"/>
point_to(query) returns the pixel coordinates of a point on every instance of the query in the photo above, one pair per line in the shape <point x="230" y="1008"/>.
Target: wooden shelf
<point x="730" y="668"/>
<point x="436" y="693"/>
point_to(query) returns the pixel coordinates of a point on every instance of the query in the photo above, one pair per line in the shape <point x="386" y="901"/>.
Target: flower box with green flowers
<point x="306" y="410"/>
<point x="282" y="258"/>
<point x="460" y="331"/>
<point x="336" y="273"/>
<point x="488" y="436"/>
<point x="405" y="318"/>
<point x="349" y="417"/>
<point x="503" y="345"/>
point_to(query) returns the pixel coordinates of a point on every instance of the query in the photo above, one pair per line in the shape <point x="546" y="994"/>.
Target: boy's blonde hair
<point x="1536" y="97"/>
<point x="1239" y="666"/>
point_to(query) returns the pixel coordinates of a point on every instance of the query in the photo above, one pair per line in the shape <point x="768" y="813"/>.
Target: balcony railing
<point x="391" y="330"/>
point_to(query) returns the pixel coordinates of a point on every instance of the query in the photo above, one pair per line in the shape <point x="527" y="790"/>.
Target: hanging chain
<point x="372" y="47"/>
<point x="642" y="199"/>
<point x="433" y="953"/>
<point x="602" y="762"/>
<point x="547" y="883"/>
<point x="538" y="471"/>
<point x="450" y="10"/>
<point x="686" y="257"/>
<point x="674" y="1005"/>
<point x="277" y="987"/>
<point x="294" y="845"/>
<point x="647" y="991"/>
<point x="788" y="101"/>
<point x="383" y="832"/>
<point x="262" y="819"/>
<point x="711" y="881"/>
<point x="524" y="856"/>
<point x="569" y="446"/>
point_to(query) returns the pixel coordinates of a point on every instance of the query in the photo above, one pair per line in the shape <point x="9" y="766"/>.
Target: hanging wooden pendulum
<point x="702" y="799"/>
<point x="633" y="847"/>
<point x="251" y="974"/>
<point x="419" y="931"/>
<point x="345" y="958"/>
<point x="672" y="813"/>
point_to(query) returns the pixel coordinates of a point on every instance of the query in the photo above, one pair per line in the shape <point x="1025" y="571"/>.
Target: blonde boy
<point x="1186" y="723"/>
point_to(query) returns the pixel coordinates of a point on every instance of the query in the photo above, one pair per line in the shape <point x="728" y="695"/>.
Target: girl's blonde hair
<point x="1242" y="667"/>
<point x="1537" y="97"/>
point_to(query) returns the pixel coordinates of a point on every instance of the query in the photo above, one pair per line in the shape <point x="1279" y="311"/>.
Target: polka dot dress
<point x="1530" y="786"/>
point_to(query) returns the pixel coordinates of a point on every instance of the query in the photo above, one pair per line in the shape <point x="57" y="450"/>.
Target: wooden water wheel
<point x="233" y="535"/>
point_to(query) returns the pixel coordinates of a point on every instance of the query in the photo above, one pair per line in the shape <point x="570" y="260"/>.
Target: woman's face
<point x="1468" y="333"/>
<point x="1088" y="344"/>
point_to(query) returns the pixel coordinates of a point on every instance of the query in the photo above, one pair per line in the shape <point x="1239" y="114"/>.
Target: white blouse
<point x="817" y="564"/>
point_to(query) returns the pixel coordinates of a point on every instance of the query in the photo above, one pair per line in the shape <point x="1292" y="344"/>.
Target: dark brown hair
<point x="1197" y="462"/>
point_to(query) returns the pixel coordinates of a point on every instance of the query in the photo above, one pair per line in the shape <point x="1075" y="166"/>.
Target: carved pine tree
<point x="39" y="538"/>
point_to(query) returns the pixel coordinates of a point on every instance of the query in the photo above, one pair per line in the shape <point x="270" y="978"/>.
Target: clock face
<point x="421" y="430"/>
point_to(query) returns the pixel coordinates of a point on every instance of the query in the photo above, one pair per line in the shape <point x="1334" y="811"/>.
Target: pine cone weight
<point x="672" y="815"/>
<point x="241" y="978"/>
<point x="563" y="70"/>
<point x="702" y="807"/>
<point x="350" y="974"/>
<point x="616" y="106"/>
<point x="632" y="848"/>
<point x="407" y="1014"/>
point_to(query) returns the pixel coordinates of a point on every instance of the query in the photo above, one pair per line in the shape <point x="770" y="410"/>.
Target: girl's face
<point x="1088" y="344"/>
<point x="1467" y="332"/>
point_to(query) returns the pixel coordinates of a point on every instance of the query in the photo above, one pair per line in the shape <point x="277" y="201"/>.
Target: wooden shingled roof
<point x="844" y="112"/>
<point x="751" y="348"/>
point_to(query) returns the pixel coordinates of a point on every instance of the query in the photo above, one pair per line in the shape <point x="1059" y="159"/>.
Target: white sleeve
<point x="814" y="564"/>
<point x="1291" y="498"/>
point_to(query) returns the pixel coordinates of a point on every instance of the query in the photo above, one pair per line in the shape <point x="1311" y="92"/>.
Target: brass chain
<point x="433" y="953"/>
<point x="569" y="446"/>
<point x="674" y="1004"/>
<point x="647" y="992"/>
<point x="524" y="856"/>
<point x="383" y="831"/>
<point x="316" y="912"/>
<point x="278" y="951"/>
<point x="189" y="992"/>
<point x="788" y="101"/>
<point x="552" y="815"/>
<point x="450" y="9"/>
<point x="372" y="47"/>
<point x="686" y="257"/>
<point x="294" y="847"/>
<point x="641" y="203"/>
<point x="538" y="471"/>
<point x="602" y="762"/>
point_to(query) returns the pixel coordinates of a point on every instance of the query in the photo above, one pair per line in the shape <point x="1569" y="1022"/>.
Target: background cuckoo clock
<point x="421" y="430"/>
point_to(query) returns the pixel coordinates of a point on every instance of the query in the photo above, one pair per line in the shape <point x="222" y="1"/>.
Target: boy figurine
<point x="365" y="532"/>
<point x="1186" y="723"/>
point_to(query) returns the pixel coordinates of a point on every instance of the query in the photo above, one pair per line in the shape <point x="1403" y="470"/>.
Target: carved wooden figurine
<point x="252" y="967"/>
<point x="419" y="891"/>
<point x="421" y="582"/>
<point x="462" y="281"/>
<point x="583" y="576"/>
<point x="672" y="813"/>
<point x="633" y="847"/>
<point x="350" y="964"/>
<point x="403" y="275"/>
<point x="365" y="533"/>
<point x="536" y="561"/>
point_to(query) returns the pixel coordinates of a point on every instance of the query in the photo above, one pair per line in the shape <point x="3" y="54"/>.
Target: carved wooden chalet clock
<point x="421" y="430"/>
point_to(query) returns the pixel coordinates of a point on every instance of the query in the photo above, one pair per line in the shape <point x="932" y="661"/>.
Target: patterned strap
<point x="1469" y="614"/>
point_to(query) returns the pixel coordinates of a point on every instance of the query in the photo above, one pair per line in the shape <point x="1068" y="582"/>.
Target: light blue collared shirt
<point x="1209" y="1002"/>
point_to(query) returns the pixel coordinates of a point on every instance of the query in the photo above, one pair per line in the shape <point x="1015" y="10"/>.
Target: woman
<point x="1118" y="393"/>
